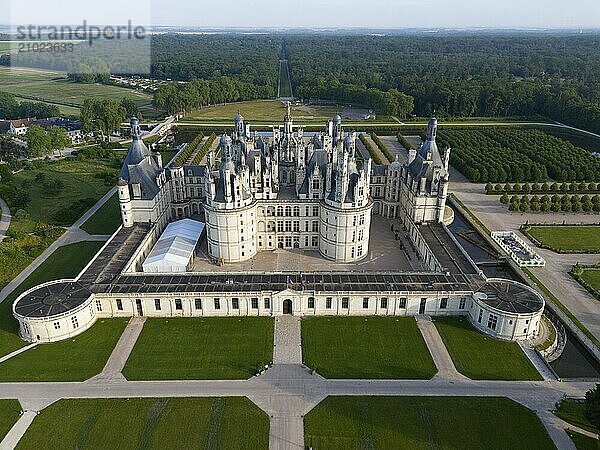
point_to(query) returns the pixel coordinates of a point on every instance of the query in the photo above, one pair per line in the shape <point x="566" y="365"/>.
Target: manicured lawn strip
<point x="65" y="262"/>
<point x="573" y="411"/>
<point x="75" y="359"/>
<point x="9" y="414"/>
<point x="482" y="357"/>
<point x="366" y="347"/>
<point x="149" y="423"/>
<point x="583" y="442"/>
<point x="106" y="220"/>
<point x="347" y="423"/>
<point x="201" y="348"/>
<point x="582" y="239"/>
<point x="592" y="277"/>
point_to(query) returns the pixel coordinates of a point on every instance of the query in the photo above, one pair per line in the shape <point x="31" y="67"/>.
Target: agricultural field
<point x="499" y="155"/>
<point x="567" y="239"/>
<point x="481" y="357"/>
<point x="224" y="348"/>
<point x="423" y="423"/>
<point x="149" y="423"/>
<point x="53" y="87"/>
<point x="366" y="347"/>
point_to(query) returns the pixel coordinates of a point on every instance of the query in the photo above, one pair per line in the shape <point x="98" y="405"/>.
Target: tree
<point x="514" y="206"/>
<point x="38" y="142"/>
<point x="592" y="406"/>
<point x="131" y="109"/>
<point x="488" y="187"/>
<point x="504" y="199"/>
<point x="59" y="138"/>
<point x="102" y="116"/>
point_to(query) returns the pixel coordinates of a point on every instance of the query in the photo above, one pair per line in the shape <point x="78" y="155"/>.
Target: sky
<point x="312" y="13"/>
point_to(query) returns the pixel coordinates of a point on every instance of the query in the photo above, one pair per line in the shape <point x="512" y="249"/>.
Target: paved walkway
<point x="538" y="362"/>
<point x="118" y="358"/>
<point x="5" y="220"/>
<point x="72" y="235"/>
<point x="439" y="353"/>
<point x="288" y="340"/>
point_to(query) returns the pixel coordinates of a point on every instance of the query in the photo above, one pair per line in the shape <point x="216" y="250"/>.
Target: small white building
<point x="174" y="250"/>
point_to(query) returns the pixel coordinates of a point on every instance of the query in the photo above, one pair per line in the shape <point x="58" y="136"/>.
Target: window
<point x="198" y="303"/>
<point x="359" y="250"/>
<point x="315" y="183"/>
<point x="267" y="303"/>
<point x="280" y="225"/>
<point x="384" y="303"/>
<point x="315" y="226"/>
<point x="492" y="321"/>
<point x="288" y="211"/>
<point x="98" y="305"/>
<point x="178" y="305"/>
<point x="157" y="305"/>
<point x="361" y="219"/>
<point x="119" y="304"/>
<point x="254" y="303"/>
<point x="288" y="241"/>
<point x="280" y="210"/>
<point x="444" y="303"/>
<point x="296" y="211"/>
<point x="311" y="303"/>
<point x="288" y="225"/>
<point x="315" y="241"/>
<point x="365" y="302"/>
<point x="74" y="322"/>
<point x="361" y="235"/>
<point x="235" y="303"/>
<point x="345" y="301"/>
<point x="217" y="303"/>
<point x="296" y="225"/>
<point x="328" y="302"/>
<point x="462" y="303"/>
<point x="315" y="211"/>
<point x="402" y="303"/>
<point x="57" y="325"/>
<point x="480" y="315"/>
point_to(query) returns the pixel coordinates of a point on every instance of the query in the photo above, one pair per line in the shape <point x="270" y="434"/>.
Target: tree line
<point x="10" y="108"/>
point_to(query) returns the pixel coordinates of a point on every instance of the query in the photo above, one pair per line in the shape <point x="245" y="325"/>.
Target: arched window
<point x="288" y="211"/>
<point x="296" y="211"/>
<point x="280" y="210"/>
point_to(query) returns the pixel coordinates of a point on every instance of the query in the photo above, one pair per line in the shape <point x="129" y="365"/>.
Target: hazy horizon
<point x="315" y="14"/>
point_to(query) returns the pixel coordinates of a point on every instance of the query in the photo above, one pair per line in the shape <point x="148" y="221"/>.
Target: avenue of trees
<point x="557" y="76"/>
<point x="105" y="116"/>
<point x="554" y="203"/>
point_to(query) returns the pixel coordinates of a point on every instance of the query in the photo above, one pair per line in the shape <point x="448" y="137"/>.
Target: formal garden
<point x="149" y="423"/>
<point x="565" y="238"/>
<point x="366" y="347"/>
<point x="500" y="155"/>
<point x="346" y="423"/>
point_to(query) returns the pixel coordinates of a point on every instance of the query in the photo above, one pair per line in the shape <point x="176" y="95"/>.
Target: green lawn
<point x="9" y="414"/>
<point x="149" y="423"/>
<point x="572" y="411"/>
<point x="348" y="423"/>
<point x="481" y="357"/>
<point x="592" y="277"/>
<point x="574" y="239"/>
<point x="106" y="220"/>
<point x="53" y="87"/>
<point x="201" y="348"/>
<point x="366" y="347"/>
<point x="65" y="262"/>
<point x="583" y="442"/>
<point x="75" y="359"/>
<point x="260" y="111"/>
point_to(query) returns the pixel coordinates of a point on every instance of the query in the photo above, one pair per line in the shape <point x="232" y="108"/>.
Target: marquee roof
<point x="175" y="247"/>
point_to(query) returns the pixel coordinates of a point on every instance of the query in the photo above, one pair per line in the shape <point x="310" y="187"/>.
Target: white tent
<point x="174" y="250"/>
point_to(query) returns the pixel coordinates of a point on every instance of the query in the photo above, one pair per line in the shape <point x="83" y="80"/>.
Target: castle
<point x="286" y="189"/>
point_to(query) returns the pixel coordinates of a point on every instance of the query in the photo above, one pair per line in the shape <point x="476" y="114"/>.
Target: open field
<point x="53" y="87"/>
<point x="481" y="357"/>
<point x="74" y="359"/>
<point x="348" y="423"/>
<point x="573" y="411"/>
<point x="9" y="414"/>
<point x="201" y="348"/>
<point x="106" y="220"/>
<point x="149" y="423"/>
<point x="65" y="262"/>
<point x="366" y="347"/>
<point x="574" y="239"/>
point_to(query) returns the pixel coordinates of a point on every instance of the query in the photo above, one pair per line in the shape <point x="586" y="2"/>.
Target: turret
<point x="125" y="203"/>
